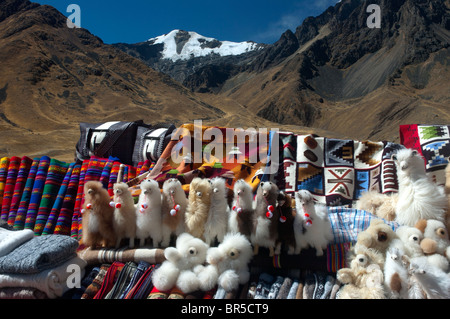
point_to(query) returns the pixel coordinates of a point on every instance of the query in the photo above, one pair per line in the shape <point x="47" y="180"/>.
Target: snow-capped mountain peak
<point x="183" y="45"/>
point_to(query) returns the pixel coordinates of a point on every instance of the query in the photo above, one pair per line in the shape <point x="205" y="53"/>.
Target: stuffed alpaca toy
<point x="433" y="280"/>
<point x="381" y="205"/>
<point x="124" y="221"/>
<point x="97" y="218"/>
<point x="242" y="216"/>
<point x="364" y="278"/>
<point x="286" y="234"/>
<point x="378" y="236"/>
<point x="399" y="284"/>
<point x="435" y="244"/>
<point x="216" y="225"/>
<point x="312" y="228"/>
<point x="418" y="196"/>
<point x="199" y="201"/>
<point x="408" y="241"/>
<point x="227" y="264"/>
<point x="265" y="233"/>
<point x="148" y="213"/>
<point x="174" y="203"/>
<point x="178" y="268"/>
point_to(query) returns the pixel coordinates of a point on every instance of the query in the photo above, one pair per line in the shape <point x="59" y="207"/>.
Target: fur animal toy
<point x="242" y="216"/>
<point x="408" y="241"/>
<point x="381" y="205"/>
<point x="124" y="220"/>
<point x="148" y="213"/>
<point x="378" y="235"/>
<point x="286" y="234"/>
<point x="197" y="211"/>
<point x="434" y="281"/>
<point x="418" y="196"/>
<point x="399" y="284"/>
<point x="227" y="264"/>
<point x="174" y="203"/>
<point x="97" y="218"/>
<point x="178" y="268"/>
<point x="216" y="225"/>
<point x="267" y="217"/>
<point x="447" y="192"/>
<point x="364" y="278"/>
<point x="312" y="228"/>
<point x="435" y="244"/>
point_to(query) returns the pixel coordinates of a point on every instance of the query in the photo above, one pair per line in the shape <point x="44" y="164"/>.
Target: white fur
<point x="178" y="268"/>
<point x="148" y="220"/>
<point x="433" y="280"/>
<point x="172" y="187"/>
<point x="436" y="243"/>
<point x="418" y="196"/>
<point x="408" y="241"/>
<point x="216" y="225"/>
<point x="124" y="221"/>
<point x="228" y="263"/>
<point x="319" y="234"/>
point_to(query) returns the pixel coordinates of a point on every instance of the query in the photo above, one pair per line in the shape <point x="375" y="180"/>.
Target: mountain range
<point x="331" y="76"/>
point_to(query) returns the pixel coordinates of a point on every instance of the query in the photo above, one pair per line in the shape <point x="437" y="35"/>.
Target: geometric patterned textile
<point x="336" y="171"/>
<point x="433" y="143"/>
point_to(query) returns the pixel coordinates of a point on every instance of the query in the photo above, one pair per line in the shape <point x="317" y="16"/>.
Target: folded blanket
<point x="22" y="176"/>
<point x="54" y="282"/>
<point x="64" y="223"/>
<point x="19" y="220"/>
<point x="38" y="254"/>
<point x="21" y="293"/>
<point x="10" y="240"/>
<point x="110" y="255"/>
<point x="55" y="176"/>
<point x="13" y="170"/>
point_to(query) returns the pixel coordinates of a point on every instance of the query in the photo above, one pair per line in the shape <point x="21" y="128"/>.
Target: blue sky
<point x="233" y="20"/>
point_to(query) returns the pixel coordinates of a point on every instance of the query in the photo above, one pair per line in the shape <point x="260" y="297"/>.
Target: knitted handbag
<point x="151" y="142"/>
<point x="107" y="139"/>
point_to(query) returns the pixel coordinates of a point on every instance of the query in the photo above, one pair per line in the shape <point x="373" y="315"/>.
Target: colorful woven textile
<point x="4" y="163"/>
<point x="433" y="143"/>
<point x="55" y="176"/>
<point x="64" y="223"/>
<point x="36" y="194"/>
<point x="194" y="154"/>
<point x="19" y="221"/>
<point x="22" y="176"/>
<point x="336" y="171"/>
<point x="78" y="200"/>
<point x="56" y="209"/>
<point x="11" y="176"/>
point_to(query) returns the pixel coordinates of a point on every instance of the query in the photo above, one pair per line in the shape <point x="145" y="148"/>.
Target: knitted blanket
<point x="38" y="254"/>
<point x="10" y="240"/>
<point x="52" y="281"/>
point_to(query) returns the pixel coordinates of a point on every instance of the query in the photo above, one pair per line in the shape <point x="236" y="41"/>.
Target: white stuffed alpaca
<point x="124" y="221"/>
<point x="418" y="196"/>
<point x="436" y="243"/>
<point x="174" y="203"/>
<point x="216" y="225"/>
<point x="178" y="268"/>
<point x="148" y="213"/>
<point x="228" y="264"/>
<point x="311" y="224"/>
<point x="434" y="281"/>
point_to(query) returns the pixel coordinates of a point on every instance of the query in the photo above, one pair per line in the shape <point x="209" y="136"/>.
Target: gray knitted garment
<point x="38" y="254"/>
